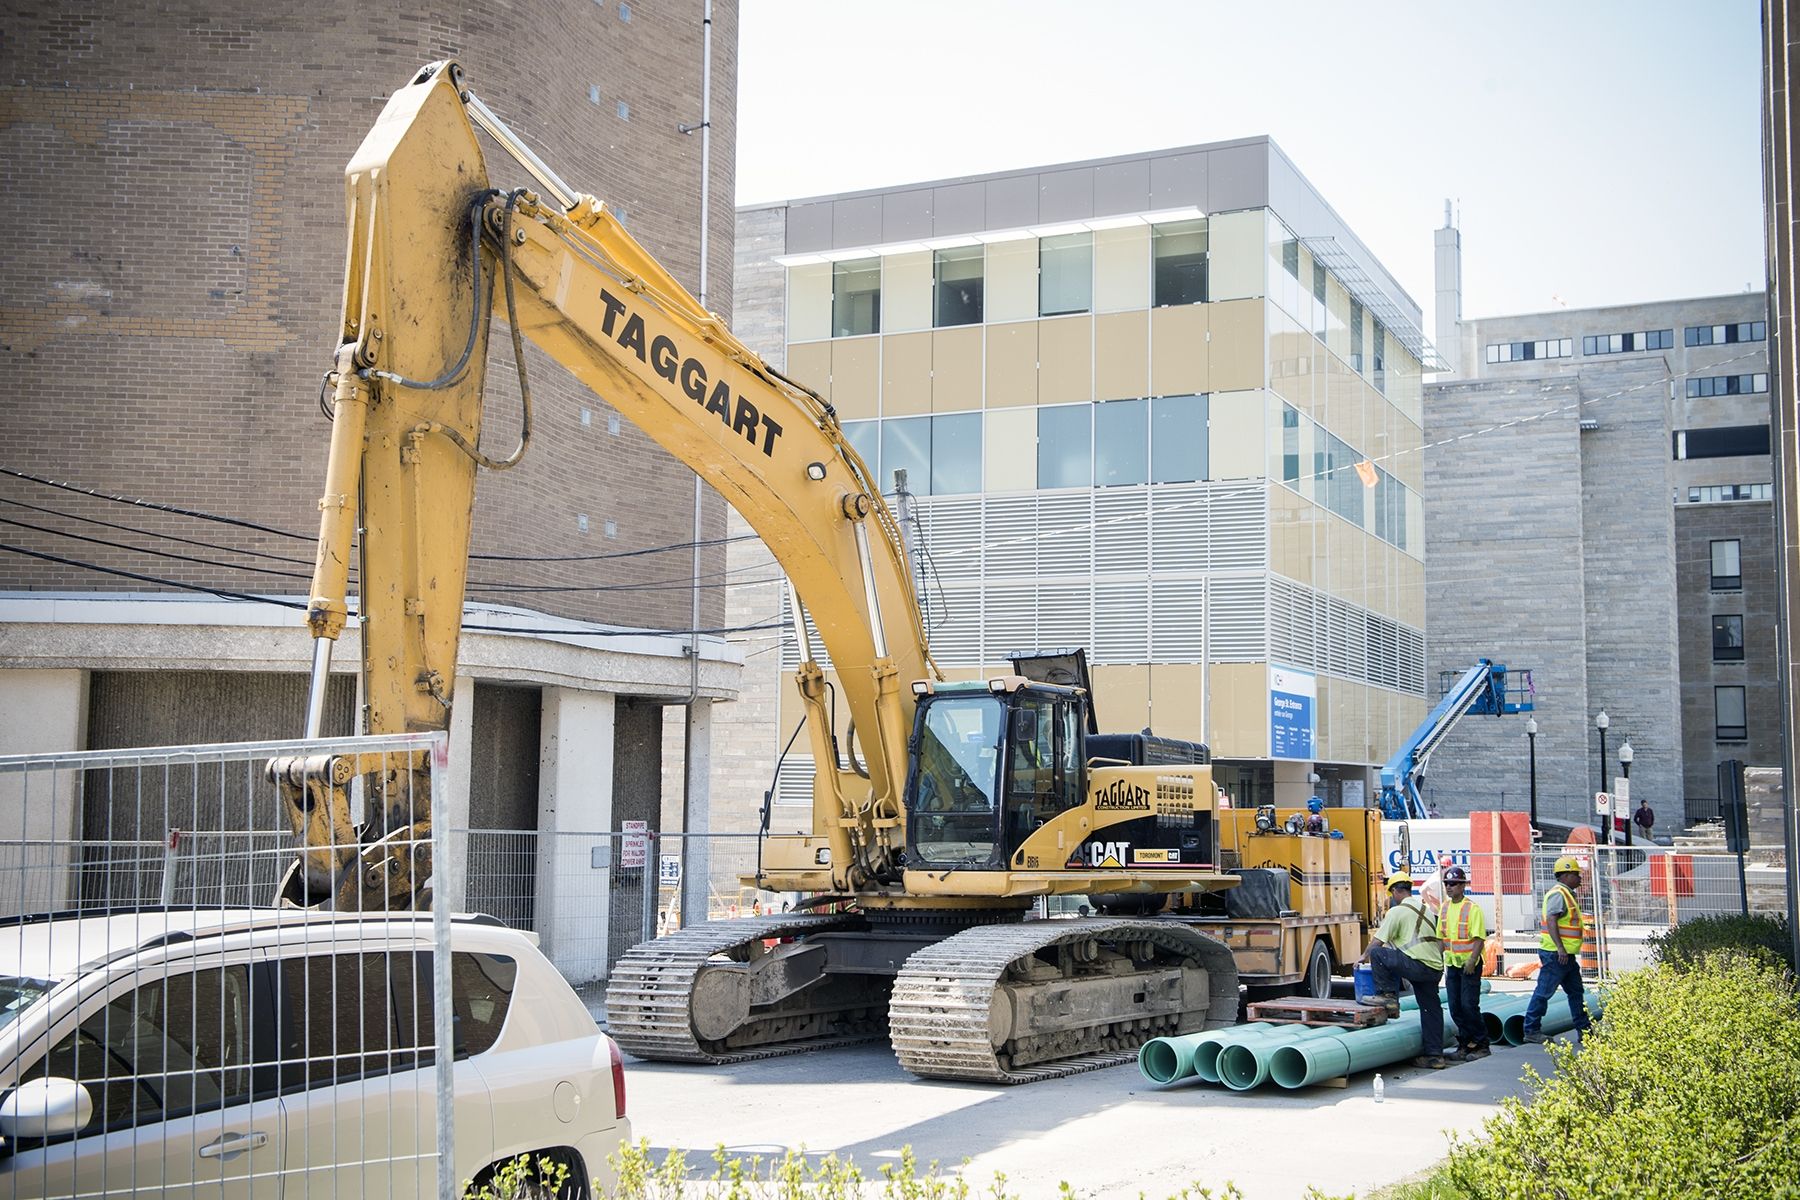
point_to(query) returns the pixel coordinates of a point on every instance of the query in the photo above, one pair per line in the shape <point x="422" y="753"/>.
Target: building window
<point x="1728" y="638"/>
<point x="1726" y="385"/>
<point x="1511" y="352"/>
<point x="1723" y="335"/>
<point x="1178" y="263"/>
<point x="865" y="438"/>
<point x="855" y="297"/>
<point x="1121" y="443"/>
<point x="1356" y="336"/>
<point x="941" y="455"/>
<point x="1178" y="439"/>
<point x="1727" y="568"/>
<point x="1290" y="446"/>
<point x="957" y="274"/>
<point x="1065" y="274"/>
<point x="1628" y="343"/>
<point x="1379" y="376"/>
<point x="1729" y="724"/>
<point x="1719" y="493"/>
<point x="1723" y="441"/>
<point x="1066" y="446"/>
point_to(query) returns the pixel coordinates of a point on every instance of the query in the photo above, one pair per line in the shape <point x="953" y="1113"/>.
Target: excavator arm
<point x="433" y="253"/>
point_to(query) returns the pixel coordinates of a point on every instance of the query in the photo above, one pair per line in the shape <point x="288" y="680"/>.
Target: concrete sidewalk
<point x="1108" y="1133"/>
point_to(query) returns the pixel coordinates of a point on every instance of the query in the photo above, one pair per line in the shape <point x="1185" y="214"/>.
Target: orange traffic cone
<point x="1590" y="946"/>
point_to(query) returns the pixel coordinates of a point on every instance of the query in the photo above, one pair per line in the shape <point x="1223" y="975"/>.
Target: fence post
<point x="443" y="1018"/>
<point x="170" y="865"/>
<point x="652" y="886"/>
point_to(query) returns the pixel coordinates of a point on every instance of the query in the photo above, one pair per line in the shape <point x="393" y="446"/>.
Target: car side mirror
<point x="42" y="1108"/>
<point x="1024" y="725"/>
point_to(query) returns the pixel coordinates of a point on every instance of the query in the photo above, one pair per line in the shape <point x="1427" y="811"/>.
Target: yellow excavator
<point x="929" y="848"/>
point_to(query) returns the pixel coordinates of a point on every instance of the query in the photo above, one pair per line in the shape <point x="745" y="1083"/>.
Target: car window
<point x="18" y="993"/>
<point x="348" y="1016"/>
<point x="175" y="1045"/>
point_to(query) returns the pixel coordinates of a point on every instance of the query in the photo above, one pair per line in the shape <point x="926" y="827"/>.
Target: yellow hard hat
<point x="1398" y="878"/>
<point x="1566" y="863"/>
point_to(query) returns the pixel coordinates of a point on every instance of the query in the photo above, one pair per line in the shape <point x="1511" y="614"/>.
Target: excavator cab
<point x="992" y="762"/>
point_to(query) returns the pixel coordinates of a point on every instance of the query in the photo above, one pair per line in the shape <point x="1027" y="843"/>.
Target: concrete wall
<point x="41" y="712"/>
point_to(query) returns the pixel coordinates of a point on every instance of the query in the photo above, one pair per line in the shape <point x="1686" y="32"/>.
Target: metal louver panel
<point x="1121" y="622"/>
<point x="1122" y="530"/>
<point x="1065" y="534"/>
<point x="1178" y="517"/>
<point x="1239" y="631"/>
<point x="1177" y="620"/>
<point x="956" y="638"/>
<point x="1238" y="525"/>
<point x="1009" y="537"/>
<point x="795" y="784"/>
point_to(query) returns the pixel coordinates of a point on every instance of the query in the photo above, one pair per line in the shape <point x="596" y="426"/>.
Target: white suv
<point x="285" y="1054"/>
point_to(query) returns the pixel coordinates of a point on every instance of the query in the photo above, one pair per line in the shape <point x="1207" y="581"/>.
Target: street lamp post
<point x="1601" y="723"/>
<point x="1531" y="739"/>
<point x="1625" y="770"/>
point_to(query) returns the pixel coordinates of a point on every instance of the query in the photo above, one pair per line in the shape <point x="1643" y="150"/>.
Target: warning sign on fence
<point x="668" y="870"/>
<point x="635" y="851"/>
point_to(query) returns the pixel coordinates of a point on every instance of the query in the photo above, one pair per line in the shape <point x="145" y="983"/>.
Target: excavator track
<point x="650" y="998"/>
<point x="955" y="1012"/>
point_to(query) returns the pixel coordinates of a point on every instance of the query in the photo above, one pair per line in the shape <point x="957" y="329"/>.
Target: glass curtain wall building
<point x="1164" y="407"/>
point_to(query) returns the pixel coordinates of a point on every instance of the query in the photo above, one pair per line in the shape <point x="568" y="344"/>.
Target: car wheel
<point x="1317" y="983"/>
<point x="576" y="1186"/>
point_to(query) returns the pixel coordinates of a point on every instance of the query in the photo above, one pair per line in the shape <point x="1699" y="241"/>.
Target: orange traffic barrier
<point x="1525" y="969"/>
<point x="1590" y="946"/>
<point x="1493" y="958"/>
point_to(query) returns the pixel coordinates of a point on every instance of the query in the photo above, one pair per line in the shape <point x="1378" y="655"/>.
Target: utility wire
<point x="227" y="594"/>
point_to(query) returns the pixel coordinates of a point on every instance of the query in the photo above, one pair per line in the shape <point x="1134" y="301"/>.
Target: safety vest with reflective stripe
<point x="1424" y="931"/>
<point x="1568" y="926"/>
<point x="1463" y="926"/>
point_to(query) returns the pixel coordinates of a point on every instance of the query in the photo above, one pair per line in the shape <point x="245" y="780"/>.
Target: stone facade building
<point x="1598" y="505"/>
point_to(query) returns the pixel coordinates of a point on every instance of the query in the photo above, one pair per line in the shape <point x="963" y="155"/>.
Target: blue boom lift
<point x="1482" y="689"/>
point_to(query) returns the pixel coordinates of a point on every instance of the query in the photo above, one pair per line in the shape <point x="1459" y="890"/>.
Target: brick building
<point x="164" y="325"/>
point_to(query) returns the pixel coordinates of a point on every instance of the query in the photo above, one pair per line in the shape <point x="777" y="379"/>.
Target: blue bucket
<point x="1365" y="981"/>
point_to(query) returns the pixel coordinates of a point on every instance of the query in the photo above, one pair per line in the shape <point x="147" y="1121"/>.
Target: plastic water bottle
<point x="1380" y="1088"/>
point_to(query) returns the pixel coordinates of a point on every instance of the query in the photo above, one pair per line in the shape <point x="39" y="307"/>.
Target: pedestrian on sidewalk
<point x="1559" y="948"/>
<point x="1644" y="818"/>
<point x="1406" y="950"/>
<point x="1462" y="926"/>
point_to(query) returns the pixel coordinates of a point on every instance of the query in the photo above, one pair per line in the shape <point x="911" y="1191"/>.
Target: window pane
<point x="1065" y="274"/>
<point x="1728" y="638"/>
<point x="1121" y="442"/>
<point x="855" y="297"/>
<point x="906" y="446"/>
<point x="865" y="438"/>
<point x="1178" y="439"/>
<point x="959" y="279"/>
<point x="1178" y="253"/>
<point x="1065" y="453"/>
<point x="955" y="453"/>
<point x="1729" y="712"/>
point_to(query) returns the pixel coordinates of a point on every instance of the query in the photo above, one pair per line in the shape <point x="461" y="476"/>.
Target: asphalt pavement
<point x="1107" y="1133"/>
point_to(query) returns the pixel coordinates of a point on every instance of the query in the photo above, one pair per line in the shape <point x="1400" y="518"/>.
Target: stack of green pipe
<point x="1244" y="1064"/>
<point x="1556" y="1017"/>
<point x="1301" y="1064"/>
<point x="1190" y="1055"/>
<point x="1410" y="1001"/>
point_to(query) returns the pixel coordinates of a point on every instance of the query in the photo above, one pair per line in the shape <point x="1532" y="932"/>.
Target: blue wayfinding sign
<point x="1293" y="696"/>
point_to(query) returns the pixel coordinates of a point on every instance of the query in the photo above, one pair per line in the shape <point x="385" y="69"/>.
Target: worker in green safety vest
<point x="1463" y="927"/>
<point x="1407" y="950"/>
<point x="1559" y="950"/>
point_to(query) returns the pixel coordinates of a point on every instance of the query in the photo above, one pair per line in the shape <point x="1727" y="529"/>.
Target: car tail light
<point x="618" y="1074"/>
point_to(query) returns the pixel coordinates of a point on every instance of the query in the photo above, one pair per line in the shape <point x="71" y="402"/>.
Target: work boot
<point x="1430" y="1062"/>
<point x="1474" y="1052"/>
<point x="1535" y="1037"/>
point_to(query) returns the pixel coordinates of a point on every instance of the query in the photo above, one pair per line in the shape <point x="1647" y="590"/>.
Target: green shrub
<point x="1684" y="944"/>
<point x="1689" y="1087"/>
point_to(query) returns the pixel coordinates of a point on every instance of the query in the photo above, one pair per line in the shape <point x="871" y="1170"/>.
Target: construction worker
<point x="1559" y="949"/>
<point x="1315" y="818"/>
<point x="1463" y="927"/>
<point x="1406" y="949"/>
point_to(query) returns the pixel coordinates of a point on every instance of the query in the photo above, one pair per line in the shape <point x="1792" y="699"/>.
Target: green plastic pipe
<point x="1409" y="1002"/>
<point x="1245" y="1064"/>
<point x="1495" y="1010"/>
<point x="1556" y="1017"/>
<point x="1302" y="1064"/>
<point x="1172" y="1059"/>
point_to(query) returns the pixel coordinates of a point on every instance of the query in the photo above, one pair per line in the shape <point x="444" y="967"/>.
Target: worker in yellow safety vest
<point x="1406" y="950"/>
<point x="1559" y="949"/>
<point x="1463" y="927"/>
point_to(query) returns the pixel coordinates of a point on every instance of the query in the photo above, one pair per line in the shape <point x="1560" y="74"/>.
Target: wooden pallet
<point x="1346" y="1014"/>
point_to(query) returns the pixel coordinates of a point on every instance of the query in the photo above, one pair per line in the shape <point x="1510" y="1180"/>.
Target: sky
<point x="1597" y="152"/>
